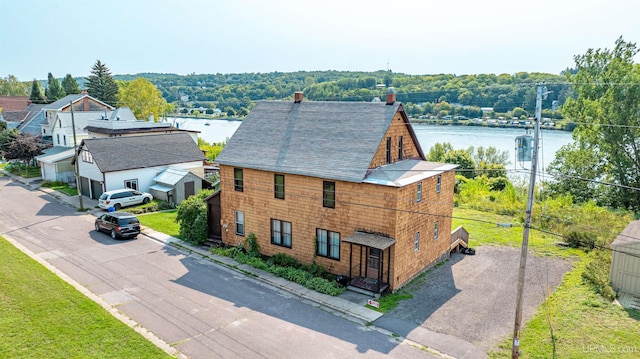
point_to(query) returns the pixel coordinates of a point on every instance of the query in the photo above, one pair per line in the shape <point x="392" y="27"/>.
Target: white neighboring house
<point x="55" y="163"/>
<point x="133" y="162"/>
<point x="625" y="265"/>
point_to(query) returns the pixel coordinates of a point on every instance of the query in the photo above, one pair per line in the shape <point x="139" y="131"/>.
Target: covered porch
<point x="369" y="262"/>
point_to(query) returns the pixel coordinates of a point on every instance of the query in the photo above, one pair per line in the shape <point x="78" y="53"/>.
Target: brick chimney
<point x="391" y="96"/>
<point x="297" y="96"/>
<point x="84" y="92"/>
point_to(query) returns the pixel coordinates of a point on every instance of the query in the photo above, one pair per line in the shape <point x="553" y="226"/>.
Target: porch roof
<point x="370" y="240"/>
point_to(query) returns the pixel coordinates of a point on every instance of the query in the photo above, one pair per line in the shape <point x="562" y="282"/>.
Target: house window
<point x="64" y="139"/>
<point x="278" y="186"/>
<point x="281" y="233"/>
<point x="58" y="138"/>
<point x="239" y="223"/>
<point x="400" y="148"/>
<point x="388" y="149"/>
<point x="438" y="183"/>
<point x="419" y="192"/>
<point x="328" y="244"/>
<point x="416" y="242"/>
<point x="435" y="231"/>
<point x="238" y="181"/>
<point x="132" y="183"/>
<point x="87" y="157"/>
<point x="329" y="194"/>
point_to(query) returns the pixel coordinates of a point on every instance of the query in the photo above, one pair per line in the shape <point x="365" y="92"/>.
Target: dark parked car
<point x="118" y="224"/>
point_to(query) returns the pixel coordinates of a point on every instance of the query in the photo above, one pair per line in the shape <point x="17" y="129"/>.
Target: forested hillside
<point x="502" y="92"/>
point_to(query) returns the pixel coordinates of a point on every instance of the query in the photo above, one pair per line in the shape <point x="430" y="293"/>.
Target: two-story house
<point x="342" y="184"/>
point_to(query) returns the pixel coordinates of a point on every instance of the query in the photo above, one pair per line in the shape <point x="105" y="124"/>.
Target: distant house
<point x="44" y="120"/>
<point x="135" y="162"/>
<point x="625" y="263"/>
<point x="17" y="109"/>
<point x="342" y="184"/>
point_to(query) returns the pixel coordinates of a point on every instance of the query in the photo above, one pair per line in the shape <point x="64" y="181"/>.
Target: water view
<point x="461" y="137"/>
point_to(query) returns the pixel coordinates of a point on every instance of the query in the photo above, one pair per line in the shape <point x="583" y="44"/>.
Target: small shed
<point x="175" y="185"/>
<point x="625" y="263"/>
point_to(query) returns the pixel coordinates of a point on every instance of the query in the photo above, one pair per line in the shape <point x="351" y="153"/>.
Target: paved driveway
<point x="473" y="297"/>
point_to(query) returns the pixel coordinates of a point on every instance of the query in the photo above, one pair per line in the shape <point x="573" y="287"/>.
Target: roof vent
<point x="297" y="96"/>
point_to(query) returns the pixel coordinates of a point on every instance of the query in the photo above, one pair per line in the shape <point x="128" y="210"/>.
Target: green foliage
<point x="251" y="245"/>
<point x="192" y="217"/>
<point x="464" y="160"/>
<point x="212" y="150"/>
<point x="607" y="106"/>
<point x="143" y="98"/>
<point x="36" y="93"/>
<point x="283" y="260"/>
<point x="312" y="276"/>
<point x="11" y="86"/>
<point x="70" y="85"/>
<point x="101" y="85"/>
<point x="438" y="151"/>
<point x="583" y="240"/>
<point x="54" y="91"/>
<point x="596" y="274"/>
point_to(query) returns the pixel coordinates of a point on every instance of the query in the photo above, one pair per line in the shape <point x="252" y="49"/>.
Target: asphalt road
<point x="199" y="308"/>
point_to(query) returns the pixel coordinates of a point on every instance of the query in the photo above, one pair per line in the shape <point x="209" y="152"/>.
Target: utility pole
<point x="515" y="353"/>
<point x="75" y="157"/>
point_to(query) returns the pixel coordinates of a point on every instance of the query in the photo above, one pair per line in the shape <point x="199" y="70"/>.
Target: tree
<point x="192" y="217"/>
<point x="36" y="93"/>
<point x="462" y="158"/>
<point x="54" y="91"/>
<point x="70" y="85"/>
<point x="11" y="86"/>
<point x="490" y="155"/>
<point x="437" y="152"/>
<point x="24" y="147"/>
<point x="143" y="98"/>
<point x="607" y="110"/>
<point x="101" y="85"/>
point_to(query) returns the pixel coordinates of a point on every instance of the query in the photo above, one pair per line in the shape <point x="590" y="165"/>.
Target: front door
<point x="373" y="263"/>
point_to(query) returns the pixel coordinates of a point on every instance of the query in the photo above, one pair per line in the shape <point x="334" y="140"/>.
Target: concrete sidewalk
<point x="349" y="305"/>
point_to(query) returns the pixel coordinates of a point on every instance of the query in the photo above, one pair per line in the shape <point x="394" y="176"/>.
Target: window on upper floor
<point x="86" y="156"/>
<point x="238" y="180"/>
<point x="416" y="242"/>
<point x="64" y="140"/>
<point x="278" y="186"/>
<point x="400" y="148"/>
<point x="328" y="244"/>
<point x="281" y="233"/>
<point x="419" y="192"/>
<point x="435" y="230"/>
<point x="438" y="183"/>
<point x="329" y="194"/>
<point x="58" y="138"/>
<point x="388" y="149"/>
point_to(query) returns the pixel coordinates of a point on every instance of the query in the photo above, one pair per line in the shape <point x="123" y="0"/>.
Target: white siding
<point x="625" y="268"/>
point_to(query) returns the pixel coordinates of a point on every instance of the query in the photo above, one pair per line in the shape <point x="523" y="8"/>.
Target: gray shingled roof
<point x="631" y="234"/>
<point x="370" y="239"/>
<point x="131" y="152"/>
<point x="333" y="140"/>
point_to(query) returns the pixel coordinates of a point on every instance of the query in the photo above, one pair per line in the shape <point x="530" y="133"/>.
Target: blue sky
<point x="211" y="36"/>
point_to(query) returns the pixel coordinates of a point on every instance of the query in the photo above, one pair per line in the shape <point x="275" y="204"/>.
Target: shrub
<point x="192" y="217"/>
<point x="584" y="240"/>
<point x="283" y="260"/>
<point x="251" y="245"/>
<point x="596" y="274"/>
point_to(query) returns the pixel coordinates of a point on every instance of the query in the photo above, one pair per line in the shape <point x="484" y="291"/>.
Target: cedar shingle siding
<point x="311" y="143"/>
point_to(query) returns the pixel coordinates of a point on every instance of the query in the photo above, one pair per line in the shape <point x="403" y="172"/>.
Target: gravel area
<point x="473" y="296"/>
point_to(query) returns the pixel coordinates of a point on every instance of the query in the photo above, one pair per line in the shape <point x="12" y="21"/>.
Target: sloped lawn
<point x="44" y="317"/>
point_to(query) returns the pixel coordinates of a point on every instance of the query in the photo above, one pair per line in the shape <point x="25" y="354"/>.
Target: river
<point x="460" y="137"/>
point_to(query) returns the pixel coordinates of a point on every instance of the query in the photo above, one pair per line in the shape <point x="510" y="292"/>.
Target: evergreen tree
<point x="36" y="93"/>
<point x="101" y="84"/>
<point x="70" y="85"/>
<point x="54" y="91"/>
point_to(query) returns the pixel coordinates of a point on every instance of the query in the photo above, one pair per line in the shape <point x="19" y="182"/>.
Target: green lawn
<point x="164" y="222"/>
<point x="584" y="326"/>
<point x="44" y="317"/>
<point x="483" y="230"/>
